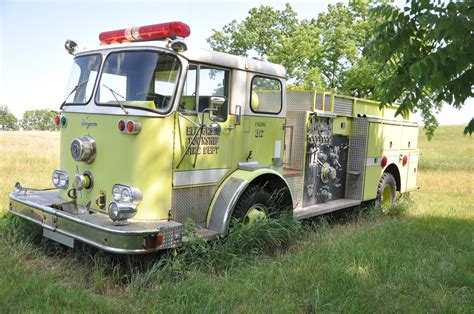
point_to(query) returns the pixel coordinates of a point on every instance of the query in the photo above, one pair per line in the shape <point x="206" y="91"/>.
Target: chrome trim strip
<point x="376" y="161"/>
<point x="392" y="122"/>
<point x="195" y="177"/>
<point x="372" y="161"/>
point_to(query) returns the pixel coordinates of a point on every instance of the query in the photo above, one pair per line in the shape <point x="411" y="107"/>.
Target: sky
<point x="34" y="66"/>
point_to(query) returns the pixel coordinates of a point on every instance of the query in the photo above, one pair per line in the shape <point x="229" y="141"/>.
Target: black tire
<point x="386" y="181"/>
<point x="255" y="194"/>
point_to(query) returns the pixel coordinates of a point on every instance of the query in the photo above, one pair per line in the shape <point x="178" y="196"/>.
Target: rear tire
<point x="386" y="192"/>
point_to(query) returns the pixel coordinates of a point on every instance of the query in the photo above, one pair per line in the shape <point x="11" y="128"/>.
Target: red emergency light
<point x="148" y="32"/>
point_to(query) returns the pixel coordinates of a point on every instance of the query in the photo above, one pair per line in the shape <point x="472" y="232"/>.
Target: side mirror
<point x="217" y="102"/>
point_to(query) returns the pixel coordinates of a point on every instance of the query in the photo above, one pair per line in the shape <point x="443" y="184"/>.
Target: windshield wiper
<point x="75" y="89"/>
<point x="115" y="94"/>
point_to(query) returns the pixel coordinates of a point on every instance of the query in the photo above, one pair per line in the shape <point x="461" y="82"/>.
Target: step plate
<point x="319" y="209"/>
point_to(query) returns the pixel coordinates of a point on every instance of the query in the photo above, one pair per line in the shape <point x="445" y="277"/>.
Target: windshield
<point x="83" y="75"/>
<point x="145" y="79"/>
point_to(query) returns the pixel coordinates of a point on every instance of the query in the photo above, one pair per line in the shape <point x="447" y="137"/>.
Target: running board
<point x="202" y="233"/>
<point x="319" y="209"/>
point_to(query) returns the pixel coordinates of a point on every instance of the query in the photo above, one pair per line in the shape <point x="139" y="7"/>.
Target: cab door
<point x="202" y="154"/>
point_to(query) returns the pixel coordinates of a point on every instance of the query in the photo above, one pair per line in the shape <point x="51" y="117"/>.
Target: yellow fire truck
<point x="154" y="134"/>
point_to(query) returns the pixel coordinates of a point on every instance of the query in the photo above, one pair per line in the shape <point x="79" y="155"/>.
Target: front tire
<point x="253" y="205"/>
<point x="386" y="192"/>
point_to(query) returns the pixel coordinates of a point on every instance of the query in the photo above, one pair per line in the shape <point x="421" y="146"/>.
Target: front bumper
<point x="93" y="228"/>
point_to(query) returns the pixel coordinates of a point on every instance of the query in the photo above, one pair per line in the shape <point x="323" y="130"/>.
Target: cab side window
<point x="209" y="82"/>
<point x="266" y="96"/>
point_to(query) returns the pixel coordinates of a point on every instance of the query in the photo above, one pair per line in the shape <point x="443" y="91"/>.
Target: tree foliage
<point x="420" y="56"/>
<point x="324" y="53"/>
<point x="8" y="121"/>
<point x="41" y="119"/>
<point x="426" y="51"/>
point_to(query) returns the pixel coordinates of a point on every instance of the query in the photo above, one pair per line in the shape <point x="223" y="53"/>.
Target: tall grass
<point x="26" y="157"/>
<point x="215" y="257"/>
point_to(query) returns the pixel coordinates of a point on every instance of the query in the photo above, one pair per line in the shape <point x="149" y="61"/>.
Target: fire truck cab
<point x="154" y="134"/>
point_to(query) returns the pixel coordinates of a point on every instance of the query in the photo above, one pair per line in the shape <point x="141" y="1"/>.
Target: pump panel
<point x="326" y="160"/>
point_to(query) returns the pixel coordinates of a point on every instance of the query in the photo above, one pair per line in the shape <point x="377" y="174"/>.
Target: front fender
<point x="228" y="194"/>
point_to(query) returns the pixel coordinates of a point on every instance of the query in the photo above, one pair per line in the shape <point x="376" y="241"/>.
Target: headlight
<point x="119" y="213"/>
<point x="126" y="194"/>
<point x="113" y="211"/>
<point x="117" y="193"/>
<point x="55" y="178"/>
<point x="60" y="179"/>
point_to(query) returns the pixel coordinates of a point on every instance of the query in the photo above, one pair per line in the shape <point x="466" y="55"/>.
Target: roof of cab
<point x="205" y="56"/>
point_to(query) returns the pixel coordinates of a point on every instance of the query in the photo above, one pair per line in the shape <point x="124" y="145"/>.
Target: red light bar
<point x="148" y="32"/>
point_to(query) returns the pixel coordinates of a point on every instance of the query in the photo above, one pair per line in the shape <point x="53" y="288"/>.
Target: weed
<point x="244" y="242"/>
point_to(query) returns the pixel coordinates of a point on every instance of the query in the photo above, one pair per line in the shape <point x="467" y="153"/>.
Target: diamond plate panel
<point x="295" y="184"/>
<point x="192" y="203"/>
<point x="299" y="101"/>
<point x="357" y="159"/>
<point x="171" y="237"/>
<point x="343" y="105"/>
<point x="298" y="120"/>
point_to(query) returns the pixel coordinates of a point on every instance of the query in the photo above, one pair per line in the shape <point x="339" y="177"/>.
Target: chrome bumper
<point x="93" y="228"/>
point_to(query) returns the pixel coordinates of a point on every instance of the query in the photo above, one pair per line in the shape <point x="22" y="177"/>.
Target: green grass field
<point x="420" y="258"/>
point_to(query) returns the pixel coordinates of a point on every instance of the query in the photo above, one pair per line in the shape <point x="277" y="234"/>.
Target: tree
<point x="322" y="53"/>
<point x="41" y="119"/>
<point x="426" y="52"/>
<point x="8" y="121"/>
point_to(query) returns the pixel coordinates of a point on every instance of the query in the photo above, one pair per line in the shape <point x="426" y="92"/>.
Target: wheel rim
<point x="386" y="198"/>
<point x="255" y="213"/>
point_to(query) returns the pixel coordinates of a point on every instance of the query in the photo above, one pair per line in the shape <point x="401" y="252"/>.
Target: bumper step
<point x="93" y="228"/>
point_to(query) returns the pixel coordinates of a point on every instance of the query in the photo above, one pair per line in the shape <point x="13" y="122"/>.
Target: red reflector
<point x="153" y="241"/>
<point x="383" y="162"/>
<point x="159" y="240"/>
<point x="130" y="126"/>
<point x="57" y="120"/>
<point x="148" y="32"/>
<point x="121" y="125"/>
<point x="405" y="160"/>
